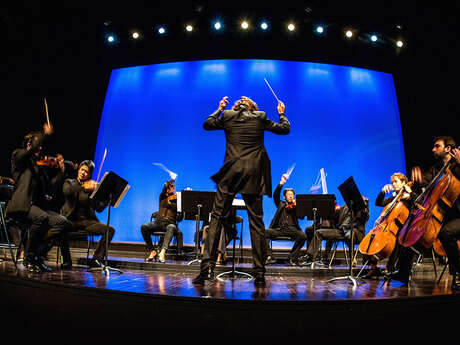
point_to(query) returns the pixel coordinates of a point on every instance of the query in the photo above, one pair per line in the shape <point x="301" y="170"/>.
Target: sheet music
<point x="323" y="180"/>
<point x="236" y="202"/>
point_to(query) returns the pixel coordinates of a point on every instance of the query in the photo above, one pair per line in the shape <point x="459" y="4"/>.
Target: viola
<point x="421" y="231"/>
<point x="52" y="162"/>
<point x="172" y="197"/>
<point x="381" y="240"/>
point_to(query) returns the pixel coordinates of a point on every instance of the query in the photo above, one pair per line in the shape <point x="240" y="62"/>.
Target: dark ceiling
<point x="59" y="52"/>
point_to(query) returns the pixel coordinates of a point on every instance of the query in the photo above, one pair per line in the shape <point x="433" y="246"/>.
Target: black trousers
<point x="331" y="235"/>
<point x="170" y="230"/>
<point x="296" y="235"/>
<point x="96" y="228"/>
<point x="448" y="235"/>
<point x="45" y="228"/>
<point x="222" y="206"/>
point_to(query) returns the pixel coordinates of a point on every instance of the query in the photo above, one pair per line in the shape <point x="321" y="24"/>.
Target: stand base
<point x="105" y="269"/>
<point x="234" y="274"/>
<point x="350" y="278"/>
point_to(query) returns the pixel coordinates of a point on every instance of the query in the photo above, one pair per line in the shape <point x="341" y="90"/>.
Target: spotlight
<point x="374" y="38"/>
<point x="111" y="38"/>
<point x="291" y="27"/>
<point x="189" y="28"/>
<point x="264" y="25"/>
<point x="135" y="35"/>
<point x="399" y="43"/>
<point x="217" y="25"/>
<point x="349" y="33"/>
<point x="319" y="29"/>
<point x="161" y="30"/>
<point x="244" y="25"/>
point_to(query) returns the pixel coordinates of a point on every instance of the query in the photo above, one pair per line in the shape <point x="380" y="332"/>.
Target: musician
<point x="285" y="223"/>
<point x="80" y="210"/>
<point x="246" y="170"/>
<point x="341" y="225"/>
<point x="444" y="151"/>
<point x="165" y="221"/>
<point x="398" y="182"/>
<point x="30" y="201"/>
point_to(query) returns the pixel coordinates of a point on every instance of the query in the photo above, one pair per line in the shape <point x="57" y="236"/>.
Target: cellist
<point x="444" y="151"/>
<point x="398" y="182"/>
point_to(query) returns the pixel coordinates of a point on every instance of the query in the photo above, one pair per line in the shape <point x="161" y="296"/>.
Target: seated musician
<point x="398" y="181"/>
<point x="341" y="226"/>
<point x="285" y="223"/>
<point x="444" y="151"/>
<point x="166" y="222"/>
<point x="79" y="209"/>
<point x="29" y="202"/>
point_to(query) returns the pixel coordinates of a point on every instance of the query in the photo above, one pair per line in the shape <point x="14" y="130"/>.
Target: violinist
<point x="444" y="151"/>
<point x="399" y="181"/>
<point x="80" y="210"/>
<point x="30" y="201"/>
<point x="165" y="221"/>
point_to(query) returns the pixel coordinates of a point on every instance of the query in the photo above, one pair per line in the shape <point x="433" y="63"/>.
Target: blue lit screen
<point x="343" y="119"/>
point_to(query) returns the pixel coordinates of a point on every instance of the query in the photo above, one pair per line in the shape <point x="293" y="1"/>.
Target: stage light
<point x="399" y="43"/>
<point x="291" y="27"/>
<point x="135" y="35"/>
<point x="374" y="38"/>
<point x="244" y="25"/>
<point x="217" y="26"/>
<point x="319" y="29"/>
<point x="349" y="33"/>
<point x="161" y="30"/>
<point x="189" y="28"/>
<point x="111" y="38"/>
<point x="264" y="25"/>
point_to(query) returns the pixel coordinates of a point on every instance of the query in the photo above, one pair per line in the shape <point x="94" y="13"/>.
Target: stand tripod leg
<point x="6" y="235"/>
<point x="197" y="236"/>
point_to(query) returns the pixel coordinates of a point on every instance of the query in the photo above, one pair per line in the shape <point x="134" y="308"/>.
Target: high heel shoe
<point x="161" y="259"/>
<point x="152" y="256"/>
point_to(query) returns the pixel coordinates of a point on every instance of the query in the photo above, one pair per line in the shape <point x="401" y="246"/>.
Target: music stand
<point x="109" y="192"/>
<point x="196" y="205"/>
<point x="355" y="203"/>
<point x="314" y="205"/>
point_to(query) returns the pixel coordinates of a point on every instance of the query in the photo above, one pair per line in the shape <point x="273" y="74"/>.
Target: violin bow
<point x="102" y="163"/>
<point x="46" y="111"/>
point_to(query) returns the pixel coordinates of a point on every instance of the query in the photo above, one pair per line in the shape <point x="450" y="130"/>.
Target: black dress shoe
<point x="270" y="260"/>
<point x="203" y="278"/>
<point x="30" y="265"/>
<point x="43" y="267"/>
<point x="397" y="275"/>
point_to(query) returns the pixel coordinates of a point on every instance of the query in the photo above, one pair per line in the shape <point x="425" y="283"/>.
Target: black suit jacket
<point x="71" y="190"/>
<point x="247" y="167"/>
<point x="32" y="181"/>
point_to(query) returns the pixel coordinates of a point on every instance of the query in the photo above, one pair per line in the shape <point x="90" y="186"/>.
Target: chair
<point x="279" y="238"/>
<point x="335" y="245"/>
<point x="77" y="236"/>
<point x="156" y="235"/>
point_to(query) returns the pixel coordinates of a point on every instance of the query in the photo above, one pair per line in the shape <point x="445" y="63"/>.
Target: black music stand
<point x="314" y="206"/>
<point x="355" y="203"/>
<point x="109" y="192"/>
<point x="196" y="205"/>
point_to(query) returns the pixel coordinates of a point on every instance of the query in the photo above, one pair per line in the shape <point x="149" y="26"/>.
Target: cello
<point x="381" y="240"/>
<point x="422" y="228"/>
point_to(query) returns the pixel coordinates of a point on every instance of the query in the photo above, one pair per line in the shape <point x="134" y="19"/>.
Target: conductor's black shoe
<point x="43" y="267"/>
<point x="270" y="260"/>
<point x="203" y="278"/>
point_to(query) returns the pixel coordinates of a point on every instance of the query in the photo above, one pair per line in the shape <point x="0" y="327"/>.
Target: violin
<point x="421" y="230"/>
<point x="52" y="162"/>
<point x="381" y="240"/>
<point x="89" y="185"/>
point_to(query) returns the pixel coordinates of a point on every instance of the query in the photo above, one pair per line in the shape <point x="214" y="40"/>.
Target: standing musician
<point x="246" y="170"/>
<point x="79" y="210"/>
<point x="285" y="223"/>
<point x="166" y="221"/>
<point x="30" y="201"/>
<point x="444" y="151"/>
<point x="398" y="181"/>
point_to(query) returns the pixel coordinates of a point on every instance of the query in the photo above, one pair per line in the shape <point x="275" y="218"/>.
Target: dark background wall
<point x="59" y="52"/>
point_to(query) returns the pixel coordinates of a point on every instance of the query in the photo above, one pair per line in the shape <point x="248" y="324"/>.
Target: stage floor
<point x="283" y="282"/>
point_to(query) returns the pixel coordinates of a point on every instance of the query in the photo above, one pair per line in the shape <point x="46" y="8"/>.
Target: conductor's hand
<point x="387" y="188"/>
<point x="416" y="174"/>
<point x="223" y="103"/>
<point x="281" y="107"/>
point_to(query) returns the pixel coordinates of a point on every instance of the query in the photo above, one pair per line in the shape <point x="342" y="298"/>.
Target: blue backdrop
<point x="343" y="119"/>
